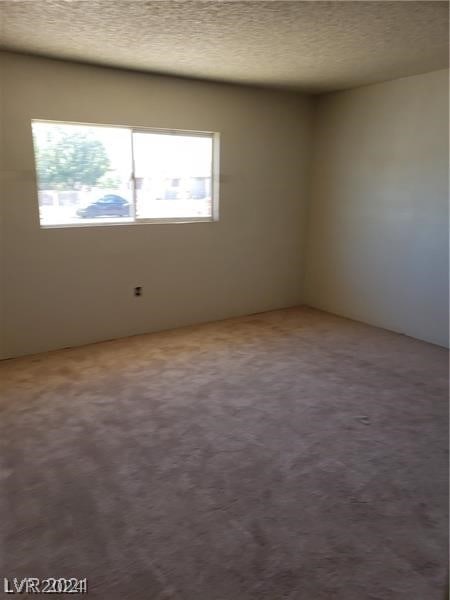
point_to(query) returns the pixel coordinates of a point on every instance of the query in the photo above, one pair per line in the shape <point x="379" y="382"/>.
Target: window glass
<point x="83" y="173"/>
<point x="95" y="174"/>
<point x="173" y="175"/>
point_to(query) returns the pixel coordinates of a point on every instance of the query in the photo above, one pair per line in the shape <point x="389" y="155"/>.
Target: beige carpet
<point x="288" y="455"/>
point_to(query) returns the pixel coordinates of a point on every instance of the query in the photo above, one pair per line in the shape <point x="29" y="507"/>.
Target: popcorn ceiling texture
<point x="310" y="46"/>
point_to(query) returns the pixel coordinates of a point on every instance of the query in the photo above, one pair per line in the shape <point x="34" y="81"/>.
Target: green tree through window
<point x="70" y="160"/>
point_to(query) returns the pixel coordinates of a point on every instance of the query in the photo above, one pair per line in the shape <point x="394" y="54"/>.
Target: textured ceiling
<point x="311" y="46"/>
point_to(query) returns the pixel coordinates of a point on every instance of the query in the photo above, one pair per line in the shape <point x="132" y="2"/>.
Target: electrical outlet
<point x="138" y="290"/>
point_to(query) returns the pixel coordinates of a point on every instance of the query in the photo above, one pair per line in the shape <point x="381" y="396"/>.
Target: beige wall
<point x="377" y="231"/>
<point x="72" y="286"/>
<point x="377" y="246"/>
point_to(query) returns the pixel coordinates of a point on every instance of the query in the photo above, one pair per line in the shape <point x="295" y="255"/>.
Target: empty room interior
<point x="224" y="316"/>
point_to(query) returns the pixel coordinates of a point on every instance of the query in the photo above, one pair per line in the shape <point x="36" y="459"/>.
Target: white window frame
<point x="215" y="165"/>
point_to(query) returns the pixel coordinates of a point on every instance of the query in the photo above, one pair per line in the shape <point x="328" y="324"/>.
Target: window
<point x="97" y="174"/>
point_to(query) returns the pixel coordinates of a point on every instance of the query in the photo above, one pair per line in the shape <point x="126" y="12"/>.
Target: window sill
<point x="121" y="222"/>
